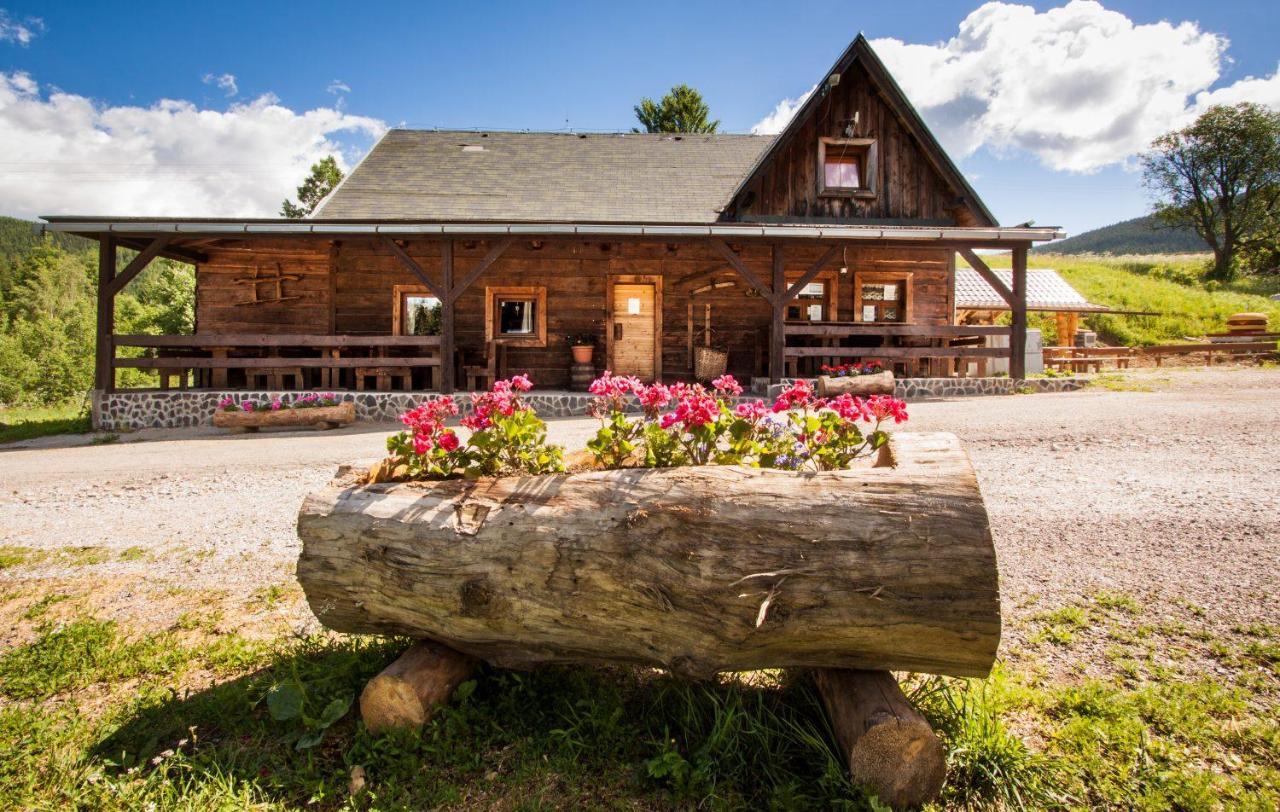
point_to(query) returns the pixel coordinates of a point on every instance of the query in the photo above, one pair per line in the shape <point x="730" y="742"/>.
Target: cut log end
<point x="407" y="692"/>
<point x="890" y="748"/>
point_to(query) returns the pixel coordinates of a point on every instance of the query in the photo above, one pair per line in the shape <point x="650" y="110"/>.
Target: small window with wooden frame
<point x="816" y="300"/>
<point x="415" y="311"/>
<point x="516" y="316"/>
<point x="847" y="167"/>
<point x="882" y="297"/>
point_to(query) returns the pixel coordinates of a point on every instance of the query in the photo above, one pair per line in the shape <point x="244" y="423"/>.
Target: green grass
<point x="1188" y="306"/>
<point x="569" y="738"/>
<point x="25" y="424"/>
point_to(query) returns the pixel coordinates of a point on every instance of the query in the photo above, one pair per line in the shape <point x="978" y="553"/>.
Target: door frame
<point x="636" y="279"/>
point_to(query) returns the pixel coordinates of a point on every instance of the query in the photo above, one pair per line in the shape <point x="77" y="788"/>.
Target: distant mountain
<point x="1141" y="235"/>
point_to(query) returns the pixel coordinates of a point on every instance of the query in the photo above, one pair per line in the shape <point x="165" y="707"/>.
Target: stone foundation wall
<point x="184" y="409"/>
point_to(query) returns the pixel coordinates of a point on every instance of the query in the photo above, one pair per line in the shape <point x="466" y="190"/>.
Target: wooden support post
<point x="888" y="745"/>
<point x="104" y="367"/>
<point x="777" y="329"/>
<point x="1018" y="338"/>
<point x="447" y="362"/>
<point x="407" y="692"/>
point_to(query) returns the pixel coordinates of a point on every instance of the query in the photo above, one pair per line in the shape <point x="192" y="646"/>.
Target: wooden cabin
<point x="447" y="258"/>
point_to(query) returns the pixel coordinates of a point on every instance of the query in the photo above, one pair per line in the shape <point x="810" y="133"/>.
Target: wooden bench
<point x="273" y="377"/>
<point x="1237" y="349"/>
<point x="479" y="377"/>
<point x="385" y="377"/>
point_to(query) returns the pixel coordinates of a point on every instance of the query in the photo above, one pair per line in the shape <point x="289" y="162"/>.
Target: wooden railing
<point x="954" y="341"/>
<point x="253" y="351"/>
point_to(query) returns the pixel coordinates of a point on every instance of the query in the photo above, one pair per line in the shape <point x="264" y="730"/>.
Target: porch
<point x="294" y="305"/>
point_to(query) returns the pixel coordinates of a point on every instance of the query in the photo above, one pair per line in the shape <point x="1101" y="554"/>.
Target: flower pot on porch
<point x="582" y="353"/>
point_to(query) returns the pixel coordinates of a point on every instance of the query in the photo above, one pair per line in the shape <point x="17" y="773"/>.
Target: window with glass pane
<point x="843" y="171"/>
<point x="810" y="304"/>
<point x="882" y="301"/>
<point x="420" y="315"/>
<point x="517" y="317"/>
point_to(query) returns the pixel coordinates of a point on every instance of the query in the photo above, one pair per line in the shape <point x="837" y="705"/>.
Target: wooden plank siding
<point x="357" y="297"/>
<point x="907" y="184"/>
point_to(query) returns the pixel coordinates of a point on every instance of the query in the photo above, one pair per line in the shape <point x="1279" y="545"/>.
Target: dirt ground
<point x="1161" y="485"/>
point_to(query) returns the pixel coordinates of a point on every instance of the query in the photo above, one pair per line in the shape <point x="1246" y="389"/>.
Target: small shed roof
<point x="545" y="177"/>
<point x="1046" y="290"/>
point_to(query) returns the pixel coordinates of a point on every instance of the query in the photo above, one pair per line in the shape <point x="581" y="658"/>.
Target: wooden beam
<point x="140" y="262"/>
<point x="175" y="253"/>
<point x="472" y="275"/>
<point x="778" y="329"/>
<point x="412" y="264"/>
<point x="808" y="275"/>
<point x="447" y="361"/>
<point x="104" y="352"/>
<point x="985" y="272"/>
<point x="304" y="340"/>
<point x="1018" y="338"/>
<point x="735" y="262"/>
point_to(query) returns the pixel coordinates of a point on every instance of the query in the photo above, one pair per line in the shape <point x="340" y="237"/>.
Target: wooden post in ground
<point x="104" y="373"/>
<point x="407" y="692"/>
<point x="777" y="329"/>
<point x="889" y="747"/>
<point x="447" y="363"/>
<point x="1018" y="337"/>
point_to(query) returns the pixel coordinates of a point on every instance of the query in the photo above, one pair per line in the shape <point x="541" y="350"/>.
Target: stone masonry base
<point x="181" y="409"/>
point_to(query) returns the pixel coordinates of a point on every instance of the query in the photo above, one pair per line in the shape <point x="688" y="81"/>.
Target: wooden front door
<point x="634" y="344"/>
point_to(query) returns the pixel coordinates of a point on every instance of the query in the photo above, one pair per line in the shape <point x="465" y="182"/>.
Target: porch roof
<point x="1046" y="291"/>
<point x="335" y="229"/>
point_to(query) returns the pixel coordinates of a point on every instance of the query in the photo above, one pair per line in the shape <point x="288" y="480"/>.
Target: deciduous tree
<point x="1221" y="177"/>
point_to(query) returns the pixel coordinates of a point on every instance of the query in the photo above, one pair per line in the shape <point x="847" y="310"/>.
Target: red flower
<point x="799" y="394"/>
<point x="752" y="411"/>
<point x="448" y="441"/>
<point x="727" y="385"/>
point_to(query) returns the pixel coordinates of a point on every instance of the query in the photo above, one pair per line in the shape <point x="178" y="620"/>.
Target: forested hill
<point x="47" y="311"/>
<point x="1141" y="235"/>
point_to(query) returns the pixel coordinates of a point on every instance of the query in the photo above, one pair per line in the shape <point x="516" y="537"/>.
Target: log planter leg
<point x="889" y="746"/>
<point x="407" y="692"/>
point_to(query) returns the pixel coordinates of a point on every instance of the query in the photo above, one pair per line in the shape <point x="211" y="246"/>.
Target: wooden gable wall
<point x="909" y="186"/>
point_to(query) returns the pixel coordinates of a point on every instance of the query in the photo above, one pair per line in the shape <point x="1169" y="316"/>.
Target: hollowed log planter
<point x="879" y="383"/>
<point x="325" y="416"/>
<point x="696" y="570"/>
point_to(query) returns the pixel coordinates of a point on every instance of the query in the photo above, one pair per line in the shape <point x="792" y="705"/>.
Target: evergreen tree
<point x="682" y="110"/>
<point x="320" y="181"/>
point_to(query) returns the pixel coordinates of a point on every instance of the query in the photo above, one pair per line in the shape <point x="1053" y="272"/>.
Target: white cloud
<point x="20" y="32"/>
<point x="66" y="154"/>
<point x="338" y="86"/>
<point x="784" y="112"/>
<point x="1080" y="87"/>
<point x="225" y="81"/>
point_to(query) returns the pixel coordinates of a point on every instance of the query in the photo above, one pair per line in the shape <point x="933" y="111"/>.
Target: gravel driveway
<point x="1171" y="496"/>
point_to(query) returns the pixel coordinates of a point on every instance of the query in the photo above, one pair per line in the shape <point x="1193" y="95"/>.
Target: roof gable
<point x="545" y="177"/>
<point x="919" y="180"/>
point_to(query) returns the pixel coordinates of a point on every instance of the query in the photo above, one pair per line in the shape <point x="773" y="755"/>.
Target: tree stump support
<point x="889" y="747"/>
<point x="407" y="692"/>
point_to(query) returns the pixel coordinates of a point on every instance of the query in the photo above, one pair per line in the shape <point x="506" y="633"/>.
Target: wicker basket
<point x="708" y="363"/>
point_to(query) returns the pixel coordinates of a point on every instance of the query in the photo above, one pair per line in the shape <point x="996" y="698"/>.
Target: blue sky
<point x="523" y="65"/>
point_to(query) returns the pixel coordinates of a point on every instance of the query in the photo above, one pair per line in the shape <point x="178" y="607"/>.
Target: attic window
<point x="847" y="167"/>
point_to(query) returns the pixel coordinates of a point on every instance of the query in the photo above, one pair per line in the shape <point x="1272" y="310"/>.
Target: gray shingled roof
<point x="1045" y="291"/>
<point x="545" y="177"/>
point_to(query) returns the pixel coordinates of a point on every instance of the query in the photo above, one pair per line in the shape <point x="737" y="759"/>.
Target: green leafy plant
<point x="287" y="701"/>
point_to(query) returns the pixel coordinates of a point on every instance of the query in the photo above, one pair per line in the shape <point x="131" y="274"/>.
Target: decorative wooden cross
<point x="278" y="278"/>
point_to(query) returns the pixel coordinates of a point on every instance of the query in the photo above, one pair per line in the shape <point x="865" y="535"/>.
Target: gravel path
<point x="1172" y="496"/>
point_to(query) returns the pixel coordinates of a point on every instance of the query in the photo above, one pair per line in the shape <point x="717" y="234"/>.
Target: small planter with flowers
<point x="324" y="410"/>
<point x="869" y="378"/>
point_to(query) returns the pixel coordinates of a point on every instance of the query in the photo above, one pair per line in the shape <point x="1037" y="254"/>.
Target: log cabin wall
<point x="908" y="186"/>
<point x="358" y="296"/>
<point x="225" y="297"/>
